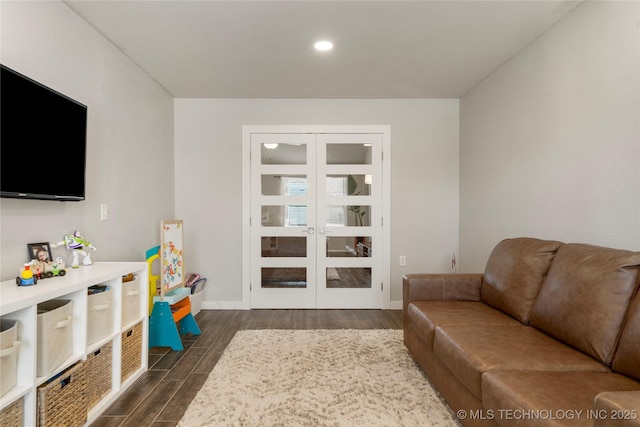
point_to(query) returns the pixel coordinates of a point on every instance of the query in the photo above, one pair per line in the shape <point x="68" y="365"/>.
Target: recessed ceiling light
<point x="323" y="45"/>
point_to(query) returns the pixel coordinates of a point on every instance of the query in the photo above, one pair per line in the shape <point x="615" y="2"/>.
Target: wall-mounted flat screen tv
<point x="43" y="141"/>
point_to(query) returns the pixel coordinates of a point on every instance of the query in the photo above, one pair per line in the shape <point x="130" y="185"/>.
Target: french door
<point x="316" y="218"/>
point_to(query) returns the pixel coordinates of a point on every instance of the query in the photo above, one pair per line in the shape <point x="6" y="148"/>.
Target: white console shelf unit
<point x="20" y="303"/>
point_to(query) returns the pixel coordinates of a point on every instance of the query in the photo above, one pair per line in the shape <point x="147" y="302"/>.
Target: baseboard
<point x="223" y="305"/>
<point x="238" y="305"/>
<point x="395" y="305"/>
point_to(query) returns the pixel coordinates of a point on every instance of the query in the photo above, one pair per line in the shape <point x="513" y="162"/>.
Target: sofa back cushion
<point x="514" y="273"/>
<point x="627" y="359"/>
<point x="585" y="297"/>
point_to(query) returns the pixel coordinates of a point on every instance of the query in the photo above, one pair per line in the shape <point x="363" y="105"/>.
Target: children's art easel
<point x="171" y="312"/>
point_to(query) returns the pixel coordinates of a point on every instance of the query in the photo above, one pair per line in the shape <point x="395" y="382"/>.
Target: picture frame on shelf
<point x="40" y="252"/>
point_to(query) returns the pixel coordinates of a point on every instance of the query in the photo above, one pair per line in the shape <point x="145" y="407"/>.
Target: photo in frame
<point x="39" y="251"/>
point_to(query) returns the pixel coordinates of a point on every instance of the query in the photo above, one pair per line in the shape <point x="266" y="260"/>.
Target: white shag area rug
<point x="317" y="378"/>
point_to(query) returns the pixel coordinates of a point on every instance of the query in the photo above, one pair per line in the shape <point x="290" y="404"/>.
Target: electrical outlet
<point x="104" y="212"/>
<point x="403" y="260"/>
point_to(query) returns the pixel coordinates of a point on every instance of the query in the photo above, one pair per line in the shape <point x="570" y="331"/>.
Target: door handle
<point x="322" y="230"/>
<point x="309" y="230"/>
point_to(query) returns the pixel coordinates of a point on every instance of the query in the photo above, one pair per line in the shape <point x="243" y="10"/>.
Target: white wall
<point x="130" y="139"/>
<point x="424" y="179"/>
<point x="550" y="142"/>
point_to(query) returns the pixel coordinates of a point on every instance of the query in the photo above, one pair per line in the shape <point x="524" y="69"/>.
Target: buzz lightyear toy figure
<point x="75" y="243"/>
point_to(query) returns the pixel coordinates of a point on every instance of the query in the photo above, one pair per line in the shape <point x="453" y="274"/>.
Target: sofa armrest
<point x="440" y="287"/>
<point x="617" y="409"/>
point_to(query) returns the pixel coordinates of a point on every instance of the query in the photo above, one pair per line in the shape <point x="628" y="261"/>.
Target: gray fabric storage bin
<point x="55" y="335"/>
<point x="131" y="301"/>
<point x="8" y="354"/>
<point x="99" y="316"/>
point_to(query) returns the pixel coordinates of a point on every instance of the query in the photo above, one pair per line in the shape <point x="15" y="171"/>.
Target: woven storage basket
<point x="62" y="401"/>
<point x="99" y="374"/>
<point x="11" y="416"/>
<point x="131" y="351"/>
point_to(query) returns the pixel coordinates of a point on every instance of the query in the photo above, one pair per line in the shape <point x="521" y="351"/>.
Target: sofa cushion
<point x="585" y="297"/>
<point x="441" y="287"/>
<point x="514" y="273"/>
<point x="627" y="359"/>
<point x="619" y="409"/>
<point x="425" y="316"/>
<point x="526" y="398"/>
<point x="468" y="351"/>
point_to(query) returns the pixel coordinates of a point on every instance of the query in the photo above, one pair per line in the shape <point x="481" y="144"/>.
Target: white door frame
<point x="385" y="247"/>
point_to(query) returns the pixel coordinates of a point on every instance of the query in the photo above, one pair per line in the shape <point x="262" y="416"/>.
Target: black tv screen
<point x="43" y="141"/>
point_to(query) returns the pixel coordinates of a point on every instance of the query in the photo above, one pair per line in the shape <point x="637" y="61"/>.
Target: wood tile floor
<point x="160" y="397"/>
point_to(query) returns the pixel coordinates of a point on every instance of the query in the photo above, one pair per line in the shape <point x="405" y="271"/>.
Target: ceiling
<point x="264" y="49"/>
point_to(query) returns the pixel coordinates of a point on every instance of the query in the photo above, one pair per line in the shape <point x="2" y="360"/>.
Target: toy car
<point x="45" y="270"/>
<point x="26" y="277"/>
<point x="54" y="268"/>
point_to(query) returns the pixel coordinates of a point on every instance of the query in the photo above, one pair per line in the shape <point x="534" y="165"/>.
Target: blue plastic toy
<point x="26" y="278"/>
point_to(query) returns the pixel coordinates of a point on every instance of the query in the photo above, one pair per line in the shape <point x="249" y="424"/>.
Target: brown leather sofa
<point x="549" y="335"/>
